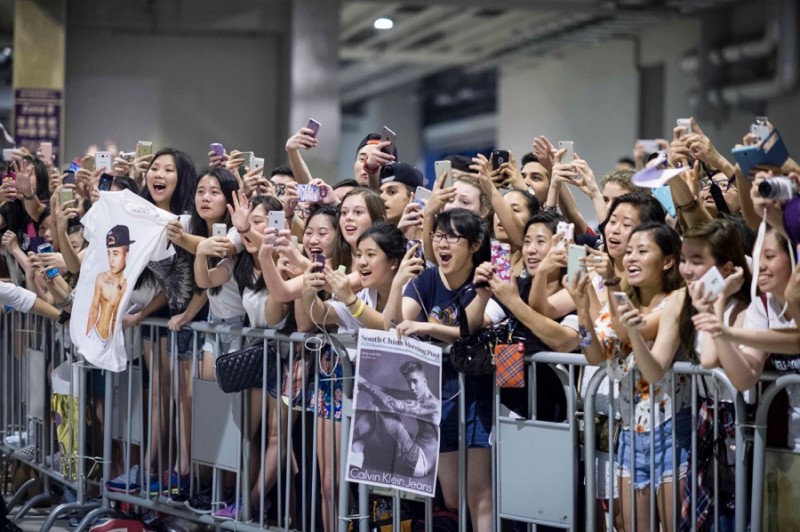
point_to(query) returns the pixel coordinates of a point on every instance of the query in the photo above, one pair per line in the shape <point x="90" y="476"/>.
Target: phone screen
<point x="69" y="177"/>
<point x="105" y="182"/>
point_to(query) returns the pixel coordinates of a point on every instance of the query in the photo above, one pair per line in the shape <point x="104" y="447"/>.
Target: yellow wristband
<point x="360" y="310"/>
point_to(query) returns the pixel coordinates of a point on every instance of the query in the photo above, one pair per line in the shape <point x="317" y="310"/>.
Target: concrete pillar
<point x="38" y="74"/>
<point x="315" y="81"/>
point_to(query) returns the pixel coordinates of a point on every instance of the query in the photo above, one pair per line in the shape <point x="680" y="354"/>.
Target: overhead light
<point x="383" y="23"/>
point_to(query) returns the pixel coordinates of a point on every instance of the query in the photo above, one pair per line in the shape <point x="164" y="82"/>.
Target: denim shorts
<point x="183" y="340"/>
<point x="663" y="451"/>
<point x="228" y="343"/>
<point x="478" y="416"/>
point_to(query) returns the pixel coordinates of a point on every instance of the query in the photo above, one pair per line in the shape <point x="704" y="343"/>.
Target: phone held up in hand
<point x="713" y="283"/>
<point x="418" y="253"/>
<point x="446" y="168"/>
<point x="105" y="183"/>
<point x="390" y="137"/>
<point x="501" y="260"/>
<point x="574" y="266"/>
<point x="499" y="157"/>
<point x="313" y="125"/>
<point x="219" y="230"/>
<point x="569" y="155"/>
<point x="48" y="248"/>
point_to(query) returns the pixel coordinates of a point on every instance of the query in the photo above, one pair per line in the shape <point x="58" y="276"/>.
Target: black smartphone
<point x="105" y="182"/>
<point x="69" y="177"/>
<point x="499" y="157"/>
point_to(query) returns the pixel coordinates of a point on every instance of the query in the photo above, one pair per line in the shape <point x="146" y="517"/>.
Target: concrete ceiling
<point x="431" y="36"/>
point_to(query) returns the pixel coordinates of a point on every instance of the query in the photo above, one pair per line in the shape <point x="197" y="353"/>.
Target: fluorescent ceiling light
<point x="383" y="23"/>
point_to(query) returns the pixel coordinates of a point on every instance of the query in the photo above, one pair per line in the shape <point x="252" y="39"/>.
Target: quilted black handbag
<point x="473" y="354"/>
<point x="241" y="369"/>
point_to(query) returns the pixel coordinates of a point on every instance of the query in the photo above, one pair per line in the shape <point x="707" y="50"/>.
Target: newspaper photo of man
<point x="409" y="426"/>
<point x="109" y="286"/>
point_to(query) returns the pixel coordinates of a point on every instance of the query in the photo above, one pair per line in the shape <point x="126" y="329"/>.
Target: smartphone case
<point x="664" y="196"/>
<point x="501" y="261"/>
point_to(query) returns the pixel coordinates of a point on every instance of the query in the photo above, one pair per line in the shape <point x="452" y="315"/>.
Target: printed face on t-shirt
<point x="117" y="258"/>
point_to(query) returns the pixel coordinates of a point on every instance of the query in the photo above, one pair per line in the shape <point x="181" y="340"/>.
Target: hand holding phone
<point x="685" y="123"/>
<point x="499" y="157"/>
<point x="713" y="283"/>
<point x="569" y="155"/>
<point x="319" y="260"/>
<point x="65" y="195"/>
<point x="421" y="196"/>
<point x="567" y="230"/>
<point x="760" y="129"/>
<point x="313" y="125"/>
<point x="219" y="230"/>
<point x="621" y="299"/>
<point x="48" y="248"/>
<point x="390" y="137"/>
<point x="440" y="168"/>
<point x="418" y="253"/>
<point x="105" y="182"/>
<point x="144" y="147"/>
<point x="217" y="148"/>
<point x="102" y="159"/>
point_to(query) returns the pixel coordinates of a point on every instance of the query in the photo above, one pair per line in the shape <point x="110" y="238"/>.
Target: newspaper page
<point x="394" y="437"/>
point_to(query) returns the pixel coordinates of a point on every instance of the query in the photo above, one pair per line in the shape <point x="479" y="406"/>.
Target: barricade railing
<point x="35" y="351"/>
<point x="128" y="423"/>
<point x="695" y="373"/>
<point x="760" y="446"/>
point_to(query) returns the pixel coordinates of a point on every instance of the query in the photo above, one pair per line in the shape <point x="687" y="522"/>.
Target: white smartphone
<point x="257" y="162"/>
<point x="570" y="147"/>
<point x="248" y="159"/>
<point x="759" y="128"/>
<point x="102" y="159"/>
<point x="649" y="145"/>
<point x="422" y="195"/>
<point x="8" y="154"/>
<point x="574" y="266"/>
<point x="444" y="167"/>
<point x="621" y="298"/>
<point x="47" y="151"/>
<point x="568" y="230"/>
<point x="295" y="242"/>
<point x="685" y="123"/>
<point x="713" y="282"/>
<point x="219" y="230"/>
<point x="391" y="137"/>
<point x="277" y="219"/>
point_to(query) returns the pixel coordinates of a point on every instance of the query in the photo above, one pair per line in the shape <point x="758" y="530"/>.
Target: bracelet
<point x="29" y="198"/>
<point x="689" y="206"/>
<point x="360" y="310"/>
<point x="243" y="232"/>
<point x="67" y="302"/>
<point x="352" y="302"/>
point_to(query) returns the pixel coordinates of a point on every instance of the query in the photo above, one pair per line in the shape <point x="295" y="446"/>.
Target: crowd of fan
<point x="362" y="253"/>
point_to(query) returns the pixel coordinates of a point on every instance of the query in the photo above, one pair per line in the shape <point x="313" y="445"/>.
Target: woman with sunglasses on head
<point x="429" y="306"/>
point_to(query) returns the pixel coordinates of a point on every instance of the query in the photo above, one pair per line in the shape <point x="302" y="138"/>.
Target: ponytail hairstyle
<point x="724" y="243"/>
<point x="342" y="253"/>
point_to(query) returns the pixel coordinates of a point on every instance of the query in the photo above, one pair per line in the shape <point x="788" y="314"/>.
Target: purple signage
<point x="37" y="119"/>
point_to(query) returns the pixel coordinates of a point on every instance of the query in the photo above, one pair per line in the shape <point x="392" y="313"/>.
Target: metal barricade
<point x="694" y="372"/>
<point x="760" y="448"/>
<point x="39" y="370"/>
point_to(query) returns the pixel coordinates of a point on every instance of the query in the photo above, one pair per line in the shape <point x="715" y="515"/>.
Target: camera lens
<point x="777" y="189"/>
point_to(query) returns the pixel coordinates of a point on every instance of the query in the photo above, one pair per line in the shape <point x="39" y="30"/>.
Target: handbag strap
<point x="463" y="324"/>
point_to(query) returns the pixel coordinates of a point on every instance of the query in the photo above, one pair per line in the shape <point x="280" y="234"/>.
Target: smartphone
<point x="277" y="219"/>
<point x="685" y="123"/>
<point x="102" y="159"/>
<point x="217" y="148"/>
<point x="760" y="129"/>
<point x="87" y="163"/>
<point x="69" y="177"/>
<point x="713" y="282"/>
<point x="105" y="182"/>
<point x="8" y="154"/>
<point x="47" y="248"/>
<point x="313" y="125"/>
<point x="422" y="195"/>
<point x="568" y="230"/>
<point x="771" y="153"/>
<point x="388" y="136"/>
<point x="319" y="259"/>
<point x="443" y="167"/>
<point x="649" y="145"/>
<point x="128" y="156"/>
<point x="144" y="147"/>
<point x="621" y="298"/>
<point x="248" y="159"/>
<point x="65" y="195"/>
<point x="569" y="155"/>
<point x="499" y="157"/>
<point x="47" y="151"/>
<point x="257" y="162"/>
<point x="574" y="266"/>
<point x="419" y="253"/>
<point x="308" y="193"/>
<point x="219" y="230"/>
<point x="501" y="260"/>
<point x="664" y="196"/>
<point x="295" y="242"/>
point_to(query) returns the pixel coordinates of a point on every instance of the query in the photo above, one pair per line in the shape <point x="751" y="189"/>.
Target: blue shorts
<point x="663" y="451"/>
<point x="228" y="343"/>
<point x="479" y="394"/>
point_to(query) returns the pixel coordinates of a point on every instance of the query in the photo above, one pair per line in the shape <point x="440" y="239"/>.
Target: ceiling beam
<point x="365" y="21"/>
<point x="555" y="5"/>
<point x="401" y="56"/>
<point x="407" y="25"/>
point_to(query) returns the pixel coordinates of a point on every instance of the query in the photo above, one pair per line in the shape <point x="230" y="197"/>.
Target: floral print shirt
<point x="621" y="365"/>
